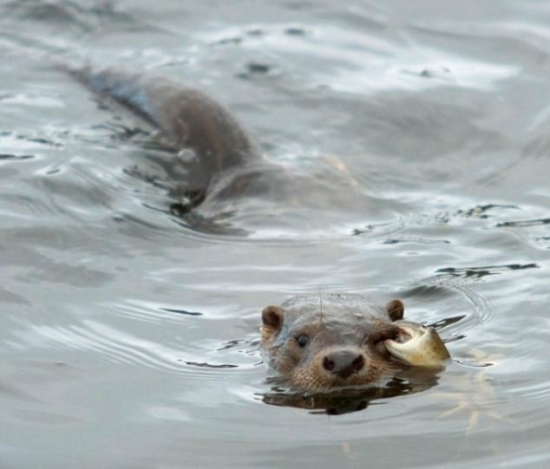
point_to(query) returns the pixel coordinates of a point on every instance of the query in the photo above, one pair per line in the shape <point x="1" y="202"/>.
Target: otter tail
<point x="188" y="117"/>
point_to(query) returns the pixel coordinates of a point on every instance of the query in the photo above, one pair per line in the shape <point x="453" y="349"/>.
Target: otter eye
<point x="302" y="340"/>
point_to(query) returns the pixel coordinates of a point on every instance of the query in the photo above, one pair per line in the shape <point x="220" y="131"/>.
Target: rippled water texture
<point x="129" y="335"/>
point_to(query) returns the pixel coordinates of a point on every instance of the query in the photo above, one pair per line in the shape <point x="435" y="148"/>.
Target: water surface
<point x="129" y="336"/>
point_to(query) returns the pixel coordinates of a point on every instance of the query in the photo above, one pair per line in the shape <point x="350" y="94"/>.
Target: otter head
<point x="337" y="343"/>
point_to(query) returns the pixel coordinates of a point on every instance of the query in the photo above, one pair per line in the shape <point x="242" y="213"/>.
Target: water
<point x="129" y="337"/>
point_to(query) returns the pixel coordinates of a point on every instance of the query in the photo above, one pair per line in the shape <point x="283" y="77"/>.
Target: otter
<point x="339" y="340"/>
<point x="314" y="343"/>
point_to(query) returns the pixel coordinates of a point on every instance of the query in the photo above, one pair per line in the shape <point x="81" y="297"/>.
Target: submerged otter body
<point x="221" y="171"/>
<point x="320" y="343"/>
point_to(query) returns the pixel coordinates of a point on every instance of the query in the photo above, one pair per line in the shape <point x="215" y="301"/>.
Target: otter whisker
<point x="321" y="304"/>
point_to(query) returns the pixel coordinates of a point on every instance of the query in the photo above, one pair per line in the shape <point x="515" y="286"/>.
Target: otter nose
<point x="343" y="363"/>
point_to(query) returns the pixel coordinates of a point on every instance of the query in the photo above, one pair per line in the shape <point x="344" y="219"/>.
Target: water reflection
<point x="339" y="402"/>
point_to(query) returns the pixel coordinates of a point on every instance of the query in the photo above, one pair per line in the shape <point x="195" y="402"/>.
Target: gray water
<point x="129" y="335"/>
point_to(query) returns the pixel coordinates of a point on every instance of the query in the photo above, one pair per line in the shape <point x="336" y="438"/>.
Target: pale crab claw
<point x="418" y="346"/>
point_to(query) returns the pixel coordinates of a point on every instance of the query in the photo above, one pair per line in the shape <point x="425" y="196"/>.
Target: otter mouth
<point x="417" y="345"/>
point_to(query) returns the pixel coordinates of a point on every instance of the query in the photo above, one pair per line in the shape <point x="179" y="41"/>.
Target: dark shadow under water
<point x="346" y="400"/>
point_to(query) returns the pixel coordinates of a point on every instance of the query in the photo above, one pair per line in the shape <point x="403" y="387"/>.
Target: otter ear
<point x="395" y="309"/>
<point x="272" y="319"/>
